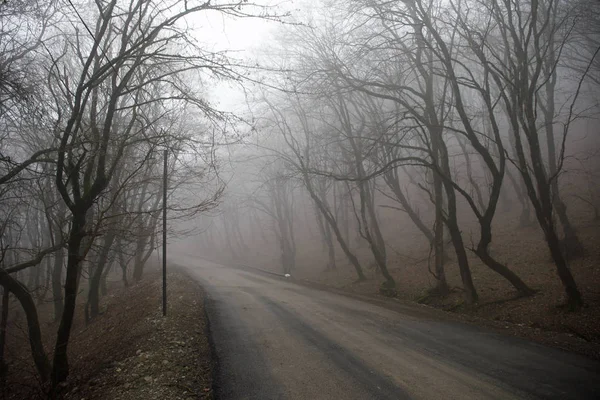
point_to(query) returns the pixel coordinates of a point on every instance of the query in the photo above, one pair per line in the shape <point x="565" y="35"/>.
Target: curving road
<point x="278" y="340"/>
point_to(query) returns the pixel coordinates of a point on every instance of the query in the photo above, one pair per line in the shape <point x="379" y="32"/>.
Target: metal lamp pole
<point x="164" y="253"/>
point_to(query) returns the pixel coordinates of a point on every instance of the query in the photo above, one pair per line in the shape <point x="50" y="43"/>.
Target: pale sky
<point x="243" y="37"/>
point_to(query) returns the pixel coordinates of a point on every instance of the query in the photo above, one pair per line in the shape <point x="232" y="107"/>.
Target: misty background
<point x="428" y="150"/>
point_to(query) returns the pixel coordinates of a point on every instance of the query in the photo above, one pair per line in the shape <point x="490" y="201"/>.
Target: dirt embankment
<point x="130" y="351"/>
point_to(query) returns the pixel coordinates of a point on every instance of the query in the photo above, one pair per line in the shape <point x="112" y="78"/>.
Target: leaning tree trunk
<point x="572" y="245"/>
<point x="287" y="260"/>
<point x="330" y="248"/>
<point x="482" y="251"/>
<point x="485" y="224"/>
<point x="540" y="194"/>
<point x="451" y="220"/>
<point x="289" y="222"/>
<point x="372" y="232"/>
<point x="574" y="298"/>
<point x="436" y="239"/>
<point x="325" y="231"/>
<point x="332" y="222"/>
<point x="521" y="193"/>
<point x="40" y="358"/>
<point x="485" y="217"/>
<point x="93" y="304"/>
<point x="3" y="325"/>
<point x="461" y="257"/>
<point x="543" y="209"/>
<point x="392" y="180"/>
<point x="321" y="226"/>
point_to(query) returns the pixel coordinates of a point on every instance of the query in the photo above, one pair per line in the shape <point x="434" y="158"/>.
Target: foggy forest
<point x="441" y="152"/>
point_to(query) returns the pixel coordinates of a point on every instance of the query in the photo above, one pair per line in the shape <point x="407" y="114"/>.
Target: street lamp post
<point x="164" y="252"/>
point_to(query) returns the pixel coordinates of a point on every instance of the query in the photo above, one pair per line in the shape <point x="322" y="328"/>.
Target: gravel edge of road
<point x="215" y="374"/>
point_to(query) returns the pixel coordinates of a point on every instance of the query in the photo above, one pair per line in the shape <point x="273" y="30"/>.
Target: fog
<point x="378" y="146"/>
<point x="426" y="148"/>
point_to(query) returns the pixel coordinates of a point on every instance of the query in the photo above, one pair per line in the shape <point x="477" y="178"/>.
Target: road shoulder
<point x="132" y="352"/>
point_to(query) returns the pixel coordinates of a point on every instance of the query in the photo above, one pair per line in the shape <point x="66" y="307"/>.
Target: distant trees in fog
<point x="460" y="102"/>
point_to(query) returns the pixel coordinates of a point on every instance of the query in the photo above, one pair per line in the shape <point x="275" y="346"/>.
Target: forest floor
<point x="541" y="317"/>
<point x="130" y="351"/>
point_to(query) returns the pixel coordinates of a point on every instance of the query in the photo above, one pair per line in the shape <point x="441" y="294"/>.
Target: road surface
<point x="278" y="340"/>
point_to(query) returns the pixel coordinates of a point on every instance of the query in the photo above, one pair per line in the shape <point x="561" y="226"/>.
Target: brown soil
<point x="130" y="351"/>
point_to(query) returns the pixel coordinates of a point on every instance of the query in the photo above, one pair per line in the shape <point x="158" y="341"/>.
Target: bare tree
<point x="526" y="36"/>
<point x="303" y="159"/>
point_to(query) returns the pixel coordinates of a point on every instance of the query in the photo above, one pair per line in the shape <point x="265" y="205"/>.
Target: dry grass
<point x="130" y="351"/>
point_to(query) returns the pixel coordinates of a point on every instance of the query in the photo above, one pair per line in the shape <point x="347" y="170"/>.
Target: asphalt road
<point x="278" y="340"/>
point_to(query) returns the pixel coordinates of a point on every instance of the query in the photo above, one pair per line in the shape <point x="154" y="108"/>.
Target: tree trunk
<point x="371" y="223"/>
<point x="574" y="298"/>
<point x="392" y="181"/>
<point x="440" y="152"/>
<point x="520" y="191"/>
<point x="138" y="265"/>
<point x="93" y="303"/>
<point x="60" y="368"/>
<point x="57" y="293"/>
<point x="542" y="203"/>
<point x="463" y="262"/>
<point x="572" y="245"/>
<point x="3" y="324"/>
<point x="525" y="217"/>
<point x="103" y="285"/>
<point x="122" y="262"/>
<point x="331" y="221"/>
<point x="321" y="227"/>
<point x="345" y="214"/>
<point x="39" y="270"/>
<point x="482" y="252"/>
<point x="503" y="270"/>
<point x="327" y="238"/>
<point x="46" y="286"/>
<point x="35" y="335"/>
<point x="438" y="241"/>
<point x="372" y="233"/>
<point x="330" y="247"/>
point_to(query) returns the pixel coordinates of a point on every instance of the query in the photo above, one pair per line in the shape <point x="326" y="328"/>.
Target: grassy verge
<point x="131" y="351"/>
